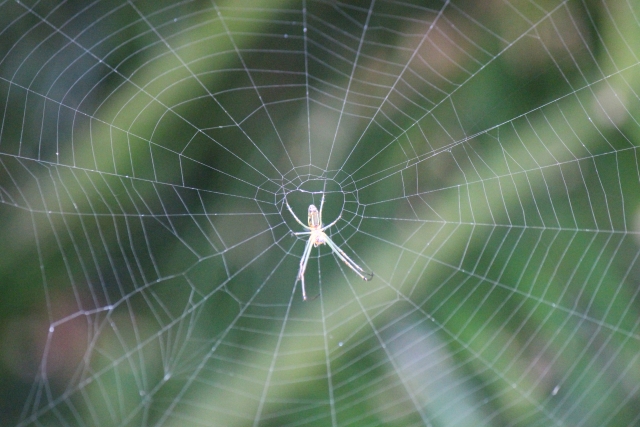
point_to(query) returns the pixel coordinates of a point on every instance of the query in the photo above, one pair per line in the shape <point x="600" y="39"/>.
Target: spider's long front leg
<point x="303" y="267"/>
<point x="350" y="263"/>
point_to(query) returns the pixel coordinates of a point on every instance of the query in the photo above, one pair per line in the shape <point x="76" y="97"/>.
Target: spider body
<point x="317" y="237"/>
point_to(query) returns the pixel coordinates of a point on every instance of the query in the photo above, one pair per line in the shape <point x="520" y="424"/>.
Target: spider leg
<point x="303" y="267"/>
<point x="320" y="212"/>
<point x="306" y="227"/>
<point x="350" y="263"/>
<point x="332" y="224"/>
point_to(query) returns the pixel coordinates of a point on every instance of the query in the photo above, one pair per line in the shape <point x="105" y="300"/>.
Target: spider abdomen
<point x="314" y="217"/>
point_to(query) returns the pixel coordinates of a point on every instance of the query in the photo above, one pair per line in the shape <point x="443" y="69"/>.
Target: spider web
<point x="483" y="159"/>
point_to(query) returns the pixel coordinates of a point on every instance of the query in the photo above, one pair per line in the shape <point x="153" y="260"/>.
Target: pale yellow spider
<point x="317" y="237"/>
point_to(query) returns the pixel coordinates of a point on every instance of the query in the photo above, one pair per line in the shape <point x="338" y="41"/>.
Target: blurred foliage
<point x="147" y="255"/>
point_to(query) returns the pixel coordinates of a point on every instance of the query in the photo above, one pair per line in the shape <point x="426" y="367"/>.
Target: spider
<point x="317" y="236"/>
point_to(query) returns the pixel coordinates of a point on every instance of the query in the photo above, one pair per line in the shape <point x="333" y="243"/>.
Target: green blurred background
<point x="483" y="156"/>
